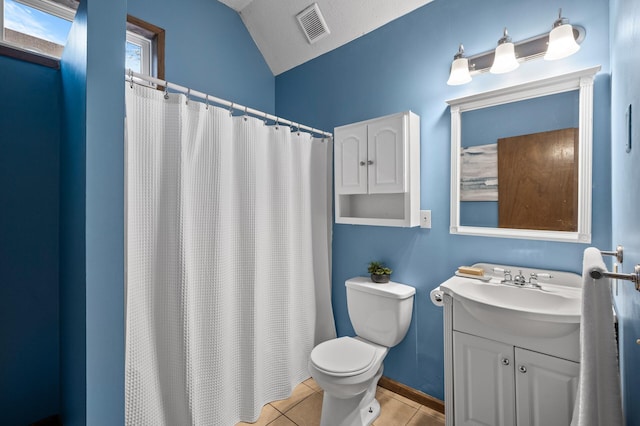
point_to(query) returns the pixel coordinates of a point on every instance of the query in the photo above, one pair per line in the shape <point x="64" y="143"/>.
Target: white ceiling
<point x="275" y="30"/>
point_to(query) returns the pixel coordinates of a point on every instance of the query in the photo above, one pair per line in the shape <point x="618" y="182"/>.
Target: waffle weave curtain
<point x="228" y="260"/>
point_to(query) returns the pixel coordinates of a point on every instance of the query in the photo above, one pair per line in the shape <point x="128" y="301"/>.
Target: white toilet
<point x="348" y="368"/>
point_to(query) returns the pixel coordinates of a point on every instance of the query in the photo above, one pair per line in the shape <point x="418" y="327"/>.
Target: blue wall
<point x="404" y="65"/>
<point x="625" y="90"/>
<point x="29" y="168"/>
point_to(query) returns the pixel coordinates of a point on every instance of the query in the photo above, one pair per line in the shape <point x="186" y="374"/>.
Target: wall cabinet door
<point x="386" y="155"/>
<point x="545" y="389"/>
<point x="483" y="381"/>
<point x="351" y="160"/>
<point x="370" y="157"/>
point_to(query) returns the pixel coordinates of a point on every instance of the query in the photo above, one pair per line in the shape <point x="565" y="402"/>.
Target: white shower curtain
<point x="228" y="239"/>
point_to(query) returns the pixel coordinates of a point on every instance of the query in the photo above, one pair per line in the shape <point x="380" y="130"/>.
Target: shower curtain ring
<point x="298" y="127"/>
<point x="188" y="94"/>
<point x="206" y="100"/>
<point x="245" y="114"/>
<point x="166" y="90"/>
<point x="277" y="123"/>
<point x="231" y="110"/>
<point x="265" y="119"/>
<point x="130" y="78"/>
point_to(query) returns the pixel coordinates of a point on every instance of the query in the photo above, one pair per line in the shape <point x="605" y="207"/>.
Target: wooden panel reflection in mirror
<point x="538" y="181"/>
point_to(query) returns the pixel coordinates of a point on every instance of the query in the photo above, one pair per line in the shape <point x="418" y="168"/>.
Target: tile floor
<point x="305" y="404"/>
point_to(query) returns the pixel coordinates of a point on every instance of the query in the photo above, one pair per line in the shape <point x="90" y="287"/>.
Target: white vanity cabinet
<point x="503" y="385"/>
<point x="377" y="171"/>
<point x="511" y="352"/>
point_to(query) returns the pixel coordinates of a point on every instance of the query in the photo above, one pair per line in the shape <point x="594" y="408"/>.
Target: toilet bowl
<point x="348" y="368"/>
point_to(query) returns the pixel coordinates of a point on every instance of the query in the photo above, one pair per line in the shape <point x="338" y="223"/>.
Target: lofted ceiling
<point x="276" y="32"/>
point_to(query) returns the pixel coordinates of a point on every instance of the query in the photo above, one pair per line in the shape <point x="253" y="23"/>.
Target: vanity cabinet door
<point x="351" y="161"/>
<point x="483" y="381"/>
<point x="545" y="389"/>
<point x="386" y="158"/>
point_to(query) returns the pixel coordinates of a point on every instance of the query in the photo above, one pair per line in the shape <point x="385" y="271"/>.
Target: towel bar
<point x="634" y="276"/>
<point x="619" y="253"/>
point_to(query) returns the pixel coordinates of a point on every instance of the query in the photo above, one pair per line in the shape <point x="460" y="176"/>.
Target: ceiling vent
<point x="313" y="24"/>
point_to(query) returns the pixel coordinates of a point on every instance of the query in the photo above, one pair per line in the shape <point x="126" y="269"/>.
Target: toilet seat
<point x="344" y="356"/>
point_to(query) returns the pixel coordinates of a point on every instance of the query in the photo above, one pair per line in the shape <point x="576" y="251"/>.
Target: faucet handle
<point x="506" y="272"/>
<point x="535" y="276"/>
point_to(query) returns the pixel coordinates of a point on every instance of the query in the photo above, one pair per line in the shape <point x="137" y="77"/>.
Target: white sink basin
<point x="552" y="311"/>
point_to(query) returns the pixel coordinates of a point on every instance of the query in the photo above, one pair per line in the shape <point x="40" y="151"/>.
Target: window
<point x="39" y="26"/>
<point x="144" y="48"/>
<point x="138" y="53"/>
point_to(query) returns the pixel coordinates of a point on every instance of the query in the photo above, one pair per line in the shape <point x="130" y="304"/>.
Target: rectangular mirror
<point x="521" y="160"/>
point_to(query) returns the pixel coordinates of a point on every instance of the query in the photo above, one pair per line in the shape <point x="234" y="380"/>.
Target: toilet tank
<point x="379" y="313"/>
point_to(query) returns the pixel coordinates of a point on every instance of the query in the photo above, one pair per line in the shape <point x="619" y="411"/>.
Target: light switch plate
<point x="425" y="219"/>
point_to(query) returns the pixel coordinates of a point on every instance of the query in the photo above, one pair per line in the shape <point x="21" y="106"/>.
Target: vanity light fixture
<point x="459" y="69"/>
<point x="504" y="59"/>
<point x="562" y="41"/>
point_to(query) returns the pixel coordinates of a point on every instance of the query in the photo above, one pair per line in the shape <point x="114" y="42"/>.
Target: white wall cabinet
<point x="499" y="384"/>
<point x="377" y="171"/>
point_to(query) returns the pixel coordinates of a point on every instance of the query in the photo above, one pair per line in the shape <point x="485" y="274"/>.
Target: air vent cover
<point x="312" y="23"/>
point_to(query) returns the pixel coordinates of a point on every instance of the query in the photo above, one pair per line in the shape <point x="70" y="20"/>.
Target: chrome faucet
<point x="519" y="279"/>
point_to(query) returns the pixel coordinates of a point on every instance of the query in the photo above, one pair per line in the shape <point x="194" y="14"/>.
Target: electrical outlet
<point x="425" y="219"/>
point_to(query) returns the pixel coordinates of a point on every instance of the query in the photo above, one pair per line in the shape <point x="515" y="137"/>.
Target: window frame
<point x="17" y="51"/>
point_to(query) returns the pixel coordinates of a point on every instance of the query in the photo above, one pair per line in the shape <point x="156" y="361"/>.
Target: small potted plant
<point x="379" y="272"/>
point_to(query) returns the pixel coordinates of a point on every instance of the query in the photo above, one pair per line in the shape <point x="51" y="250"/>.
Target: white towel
<point x="598" y="401"/>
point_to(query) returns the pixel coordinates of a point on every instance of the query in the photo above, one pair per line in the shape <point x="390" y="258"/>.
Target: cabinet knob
<point x="362" y="163"/>
<point x="505" y="361"/>
<point x="370" y="162"/>
<point x="522" y="369"/>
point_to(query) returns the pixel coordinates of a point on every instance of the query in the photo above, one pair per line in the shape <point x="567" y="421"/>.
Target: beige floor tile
<point x="432" y="412"/>
<point x="307" y="412"/>
<point x="393" y="412"/>
<point x="383" y="393"/>
<point x="406" y="400"/>
<point x="299" y="393"/>
<point x="421" y="418"/>
<point x="267" y="415"/>
<point x="312" y="384"/>
<point x="282" y="421"/>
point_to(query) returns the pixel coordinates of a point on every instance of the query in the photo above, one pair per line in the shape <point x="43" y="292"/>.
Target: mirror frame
<point x="578" y="80"/>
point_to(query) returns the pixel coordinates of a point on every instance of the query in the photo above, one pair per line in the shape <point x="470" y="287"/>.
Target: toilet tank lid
<point x="391" y="289"/>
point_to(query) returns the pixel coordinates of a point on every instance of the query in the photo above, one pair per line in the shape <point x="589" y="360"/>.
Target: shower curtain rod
<point x="130" y="75"/>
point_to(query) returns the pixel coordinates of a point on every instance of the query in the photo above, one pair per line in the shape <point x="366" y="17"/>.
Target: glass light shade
<point x="505" y="59"/>
<point x="459" y="72"/>
<point x="561" y="43"/>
